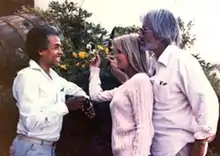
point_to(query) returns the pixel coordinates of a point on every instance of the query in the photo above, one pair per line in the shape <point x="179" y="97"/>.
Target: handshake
<point x="80" y="103"/>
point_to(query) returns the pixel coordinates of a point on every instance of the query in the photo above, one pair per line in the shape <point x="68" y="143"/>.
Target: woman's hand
<point x="95" y="61"/>
<point x="118" y="74"/>
<point x="112" y="61"/>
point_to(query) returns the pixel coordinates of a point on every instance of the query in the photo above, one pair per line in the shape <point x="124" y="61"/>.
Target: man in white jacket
<point x="40" y="96"/>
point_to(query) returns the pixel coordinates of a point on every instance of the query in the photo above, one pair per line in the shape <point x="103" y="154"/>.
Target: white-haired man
<point x="186" y="108"/>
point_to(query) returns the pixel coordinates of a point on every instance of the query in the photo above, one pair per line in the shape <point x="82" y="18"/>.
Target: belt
<point x="35" y="140"/>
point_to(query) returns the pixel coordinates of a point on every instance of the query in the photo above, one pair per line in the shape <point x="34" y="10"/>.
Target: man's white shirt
<point x="186" y="107"/>
<point x="41" y="101"/>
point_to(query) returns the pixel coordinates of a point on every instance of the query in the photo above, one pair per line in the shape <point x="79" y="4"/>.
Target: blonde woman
<point x="132" y="103"/>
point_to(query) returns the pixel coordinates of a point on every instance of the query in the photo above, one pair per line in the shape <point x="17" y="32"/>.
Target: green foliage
<point x="126" y="30"/>
<point x="187" y="38"/>
<point x="72" y="21"/>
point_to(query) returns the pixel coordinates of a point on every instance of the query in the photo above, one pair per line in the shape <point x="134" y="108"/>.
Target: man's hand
<point x="199" y="148"/>
<point x="75" y="103"/>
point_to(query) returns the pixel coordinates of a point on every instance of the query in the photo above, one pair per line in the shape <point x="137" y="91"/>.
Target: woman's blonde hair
<point x="129" y="44"/>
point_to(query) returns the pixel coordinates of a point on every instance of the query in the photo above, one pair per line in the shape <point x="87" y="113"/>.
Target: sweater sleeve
<point x="95" y="90"/>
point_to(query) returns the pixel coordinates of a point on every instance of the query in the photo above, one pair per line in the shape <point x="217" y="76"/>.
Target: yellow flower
<point x="74" y="55"/>
<point x="106" y="51"/>
<point x="100" y="47"/>
<point x="63" y="66"/>
<point x="82" y="55"/>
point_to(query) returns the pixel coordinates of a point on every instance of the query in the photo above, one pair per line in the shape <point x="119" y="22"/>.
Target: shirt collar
<point x="34" y="65"/>
<point x="165" y="56"/>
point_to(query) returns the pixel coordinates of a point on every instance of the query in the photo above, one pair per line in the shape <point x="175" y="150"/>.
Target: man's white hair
<point x="164" y="25"/>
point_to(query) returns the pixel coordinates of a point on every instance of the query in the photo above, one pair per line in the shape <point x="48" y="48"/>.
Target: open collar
<point x="34" y="65"/>
<point x="165" y="56"/>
